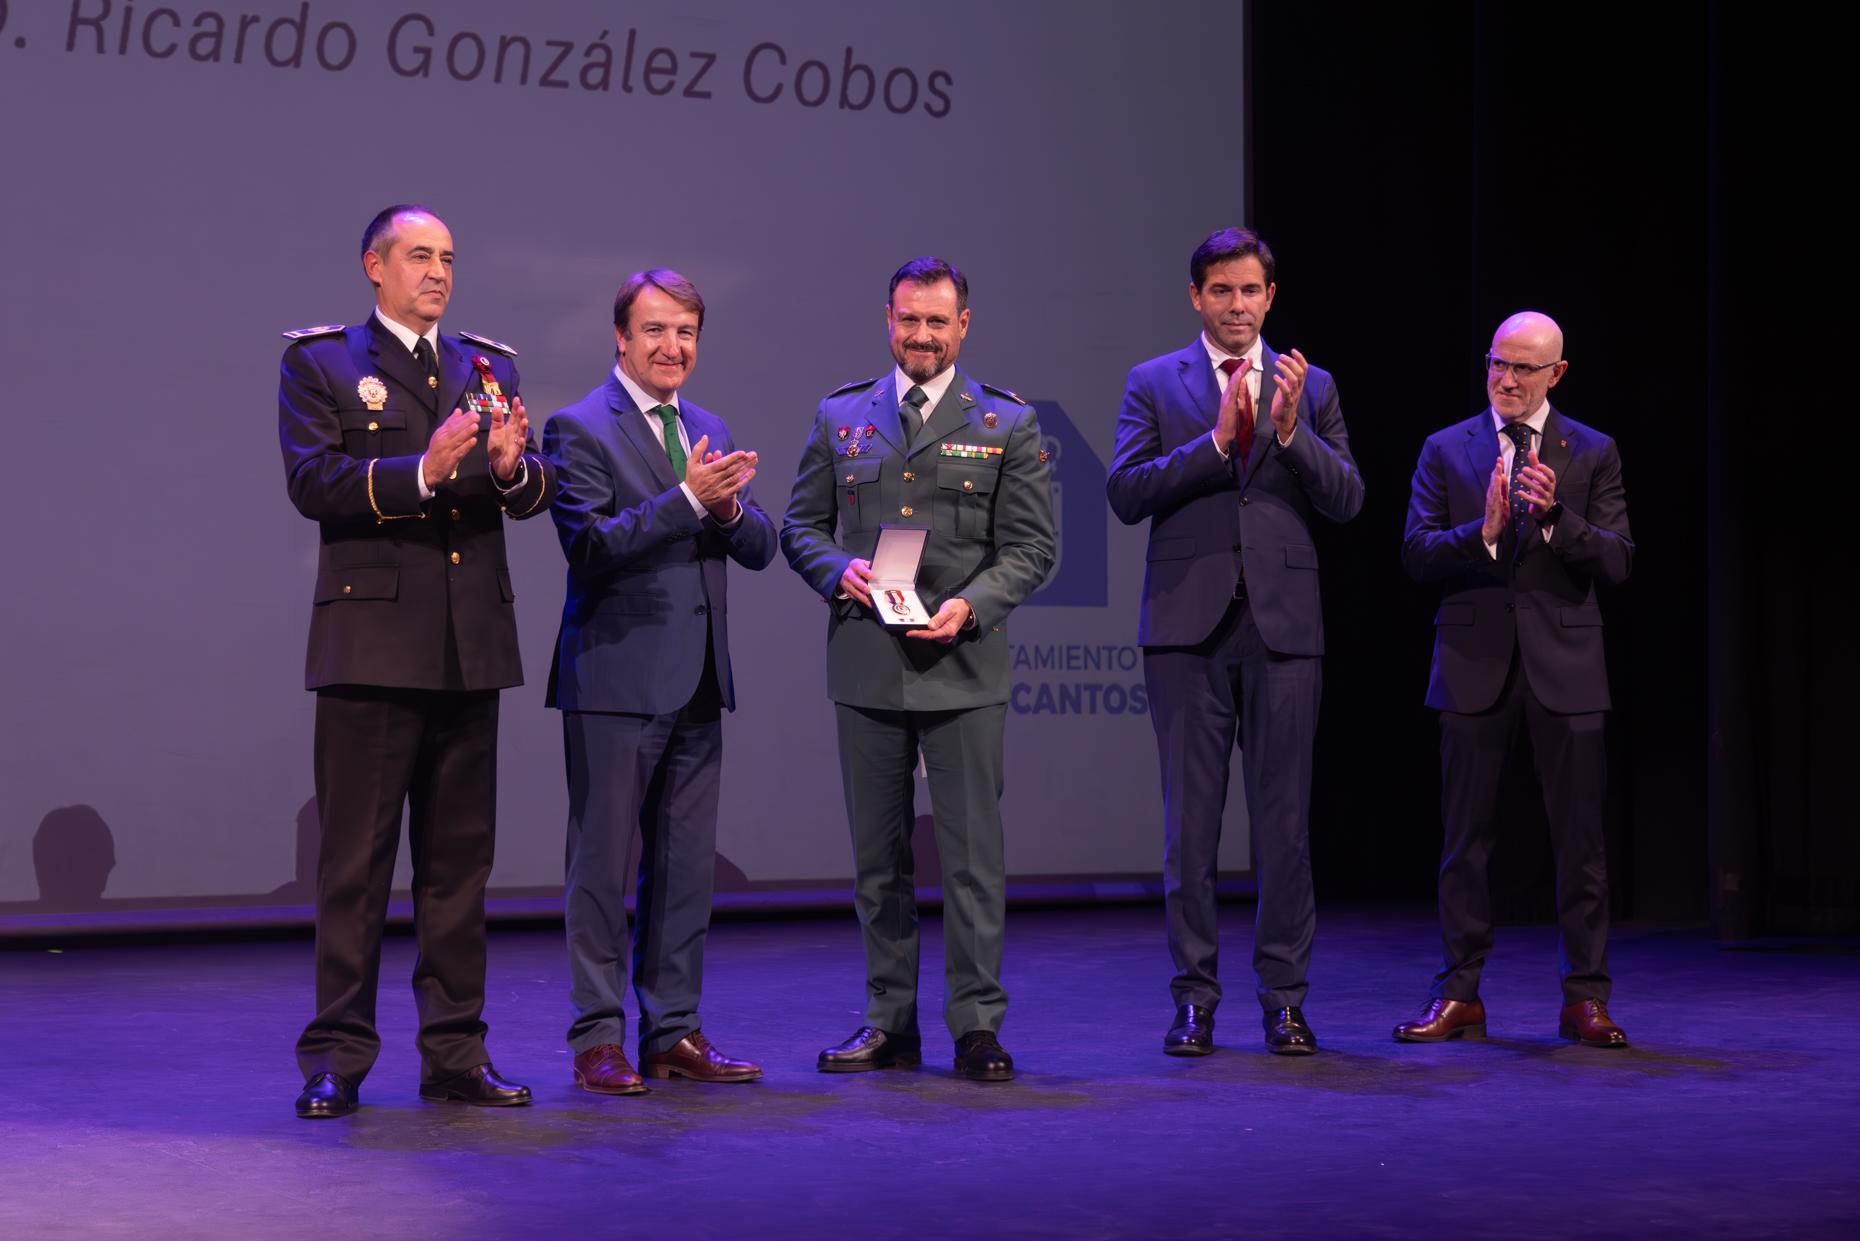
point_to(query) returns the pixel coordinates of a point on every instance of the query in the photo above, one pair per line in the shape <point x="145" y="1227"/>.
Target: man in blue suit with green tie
<point x="654" y="502"/>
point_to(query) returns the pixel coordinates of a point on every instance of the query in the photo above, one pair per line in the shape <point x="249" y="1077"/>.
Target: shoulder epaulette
<point x="488" y="343"/>
<point x="305" y="333"/>
<point x="1012" y="396"/>
<point x="856" y="385"/>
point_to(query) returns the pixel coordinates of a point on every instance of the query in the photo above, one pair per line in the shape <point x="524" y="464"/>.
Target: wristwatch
<point x="1549" y="518"/>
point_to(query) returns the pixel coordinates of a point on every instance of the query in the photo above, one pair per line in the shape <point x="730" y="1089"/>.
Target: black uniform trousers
<point x="1203" y="698"/>
<point x="1572" y="767"/>
<point x="660" y="773"/>
<point x="434" y="751"/>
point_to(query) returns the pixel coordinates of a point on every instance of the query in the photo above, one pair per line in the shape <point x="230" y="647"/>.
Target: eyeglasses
<point x="1523" y="370"/>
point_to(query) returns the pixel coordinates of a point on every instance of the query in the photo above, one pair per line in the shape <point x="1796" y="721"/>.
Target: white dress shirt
<point x="644" y="401"/>
<point x="1256" y="355"/>
<point x="1509" y="450"/>
<point x="408" y="337"/>
<point x="934" y="388"/>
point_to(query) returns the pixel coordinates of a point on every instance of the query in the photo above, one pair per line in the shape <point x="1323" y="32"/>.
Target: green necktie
<point x="673" y="448"/>
<point x="911" y="413"/>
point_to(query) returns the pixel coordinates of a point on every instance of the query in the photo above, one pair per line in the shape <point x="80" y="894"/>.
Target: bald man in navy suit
<point x="1519" y="511"/>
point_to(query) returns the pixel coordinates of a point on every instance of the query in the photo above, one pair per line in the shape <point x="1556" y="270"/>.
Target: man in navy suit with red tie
<point x="1520" y="512"/>
<point x="1230" y="471"/>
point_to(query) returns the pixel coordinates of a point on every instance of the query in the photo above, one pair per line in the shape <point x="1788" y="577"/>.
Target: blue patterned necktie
<point x="1520" y="436"/>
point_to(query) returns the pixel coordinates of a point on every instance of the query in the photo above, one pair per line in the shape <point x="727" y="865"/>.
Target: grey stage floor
<point x="148" y="1091"/>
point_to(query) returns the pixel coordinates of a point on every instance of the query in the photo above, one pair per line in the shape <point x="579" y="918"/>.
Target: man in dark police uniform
<point x="412" y="635"/>
<point x="924" y="445"/>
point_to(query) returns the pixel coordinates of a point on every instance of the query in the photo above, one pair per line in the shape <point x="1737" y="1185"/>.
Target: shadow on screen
<point x="73" y="854"/>
<point x="302" y="889"/>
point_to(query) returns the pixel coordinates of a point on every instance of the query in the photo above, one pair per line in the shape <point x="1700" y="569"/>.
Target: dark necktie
<point x="1242" y="448"/>
<point x="911" y="413"/>
<point x="1520" y="436"/>
<point x="423" y="354"/>
<point x="673" y="448"/>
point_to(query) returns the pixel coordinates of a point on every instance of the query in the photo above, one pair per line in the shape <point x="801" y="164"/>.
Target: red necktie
<point x="1236" y="369"/>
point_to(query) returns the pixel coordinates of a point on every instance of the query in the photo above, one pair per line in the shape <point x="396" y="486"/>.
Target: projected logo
<point x="1077" y="579"/>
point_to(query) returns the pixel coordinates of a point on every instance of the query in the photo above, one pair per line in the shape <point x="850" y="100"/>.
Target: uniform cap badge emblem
<point x="845" y="431"/>
<point x="989" y="420"/>
<point x="372" y="391"/>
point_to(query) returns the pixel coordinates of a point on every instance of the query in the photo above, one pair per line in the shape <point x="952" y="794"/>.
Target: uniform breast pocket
<point x="965" y="499"/>
<point x="363" y="431"/>
<point x="857" y="482"/>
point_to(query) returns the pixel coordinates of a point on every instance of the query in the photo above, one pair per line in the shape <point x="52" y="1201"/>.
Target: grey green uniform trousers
<point x="963" y="757"/>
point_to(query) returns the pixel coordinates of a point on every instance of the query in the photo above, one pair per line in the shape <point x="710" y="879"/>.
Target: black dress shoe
<point x="1287" y="1034"/>
<point x="873" y="1048"/>
<point x="326" y="1095"/>
<point x="1193" y="1032"/>
<point x="480" y="1087"/>
<point x="980" y="1059"/>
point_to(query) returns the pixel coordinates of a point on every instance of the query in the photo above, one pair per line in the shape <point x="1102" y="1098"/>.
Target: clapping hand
<point x="715" y="479"/>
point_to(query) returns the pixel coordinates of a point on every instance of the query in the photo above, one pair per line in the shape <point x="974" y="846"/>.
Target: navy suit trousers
<point x="1572" y="767"/>
<point x="1202" y="699"/>
<point x="661" y="773"/>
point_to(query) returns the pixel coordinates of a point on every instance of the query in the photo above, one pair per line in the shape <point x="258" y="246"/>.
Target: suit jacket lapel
<point x="632" y="424"/>
<point x="455" y="376"/>
<point x="1197" y="374"/>
<point x="1558" y="448"/>
<point x="1482" y="452"/>
<point x="950" y="413"/>
<point x="882" y="412"/>
<point x="393" y="359"/>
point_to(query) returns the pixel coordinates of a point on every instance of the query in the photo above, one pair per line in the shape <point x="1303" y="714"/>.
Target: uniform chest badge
<point x="870" y="430"/>
<point x="971" y="452"/>
<point x="989" y="420"/>
<point x="372" y="391"/>
<point x="844" y="432"/>
<point x="852" y="449"/>
<point x="486" y="376"/>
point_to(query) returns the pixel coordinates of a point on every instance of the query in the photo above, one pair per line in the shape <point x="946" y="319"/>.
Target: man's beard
<point x="921" y="366"/>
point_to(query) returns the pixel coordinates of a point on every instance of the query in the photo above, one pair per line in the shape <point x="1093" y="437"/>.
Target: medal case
<point x="894" y="575"/>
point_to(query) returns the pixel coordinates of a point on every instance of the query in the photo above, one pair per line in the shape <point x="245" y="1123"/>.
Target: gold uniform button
<point x="432" y="382"/>
<point x="968" y="484"/>
<point x="455" y="557"/>
<point x="849" y="478"/>
<point x="374" y="426"/>
<point x="455" y="514"/>
<point x="347" y="589"/>
<point x="906" y="510"/>
<point x="909" y="477"/>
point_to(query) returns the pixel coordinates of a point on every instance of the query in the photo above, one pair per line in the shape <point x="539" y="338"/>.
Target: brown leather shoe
<point x="604" y="1070"/>
<point x="696" y="1059"/>
<point x="1588" y="1023"/>
<point x="1445" y="1019"/>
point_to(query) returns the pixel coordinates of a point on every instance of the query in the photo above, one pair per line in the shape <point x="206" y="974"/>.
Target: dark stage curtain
<point x="1423" y="171"/>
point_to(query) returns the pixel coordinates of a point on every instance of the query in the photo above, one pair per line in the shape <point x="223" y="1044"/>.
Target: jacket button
<point x="1236" y="547"/>
<point x="968" y="484"/>
<point x="699" y="610"/>
<point x="374" y="426"/>
<point x="906" y="510"/>
<point x="909" y="477"/>
<point x="1246" y="499"/>
<point x="849" y="478"/>
<point x="455" y="514"/>
<point x="1509" y="606"/>
<point x="455" y="557"/>
<point x="347" y="589"/>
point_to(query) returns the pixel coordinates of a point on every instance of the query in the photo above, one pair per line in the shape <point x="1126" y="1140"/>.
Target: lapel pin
<point x="844" y="431"/>
<point x="989" y="420"/>
<point x="1562" y="443"/>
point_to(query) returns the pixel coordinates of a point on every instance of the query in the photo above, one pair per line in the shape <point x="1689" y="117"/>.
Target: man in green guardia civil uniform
<point x="924" y="445"/>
